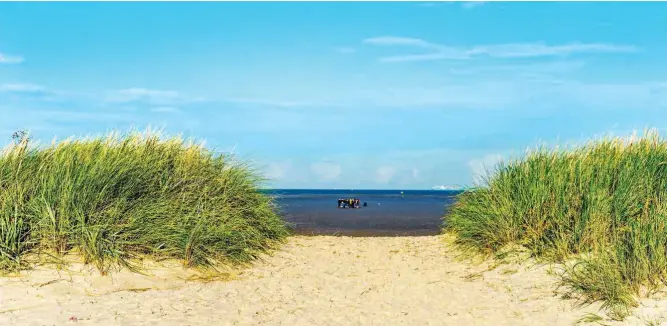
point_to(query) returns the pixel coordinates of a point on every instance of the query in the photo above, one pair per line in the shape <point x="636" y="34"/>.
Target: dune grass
<point x="118" y="198"/>
<point x="599" y="208"/>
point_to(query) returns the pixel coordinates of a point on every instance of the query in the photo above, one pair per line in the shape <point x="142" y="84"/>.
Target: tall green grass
<point x="116" y="198"/>
<point x="602" y="205"/>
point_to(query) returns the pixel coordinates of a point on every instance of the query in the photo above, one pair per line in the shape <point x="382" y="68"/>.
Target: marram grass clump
<point x="117" y="198"/>
<point x="602" y="206"/>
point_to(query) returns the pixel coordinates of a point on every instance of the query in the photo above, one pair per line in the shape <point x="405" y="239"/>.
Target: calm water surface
<point x="389" y="213"/>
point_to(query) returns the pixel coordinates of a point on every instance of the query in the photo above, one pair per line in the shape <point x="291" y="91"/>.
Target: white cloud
<point x="481" y="168"/>
<point x="346" y="50"/>
<point x="384" y="174"/>
<point x="165" y="109"/>
<point x="533" y="71"/>
<point x="415" y="174"/>
<point x="511" y="87"/>
<point x="399" y="40"/>
<point x="471" y="4"/>
<point x="485" y="87"/>
<point x="326" y="171"/>
<point x="537" y="91"/>
<point x="269" y="102"/>
<point x="33" y="91"/>
<point x="136" y="94"/>
<point x="81" y="116"/>
<point x="514" y="50"/>
<point x="464" y="4"/>
<point x="10" y="59"/>
<point x="21" y="88"/>
<point x="510" y="50"/>
<point x="478" y="95"/>
<point x="152" y="96"/>
<point x="403" y="169"/>
<point x="277" y="171"/>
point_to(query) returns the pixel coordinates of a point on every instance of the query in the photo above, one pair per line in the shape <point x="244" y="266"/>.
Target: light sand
<point x="312" y="281"/>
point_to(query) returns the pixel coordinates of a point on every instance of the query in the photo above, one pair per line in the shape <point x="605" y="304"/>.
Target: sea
<point x="388" y="212"/>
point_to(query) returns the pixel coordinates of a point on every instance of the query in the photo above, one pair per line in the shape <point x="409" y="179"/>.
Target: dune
<point x="321" y="280"/>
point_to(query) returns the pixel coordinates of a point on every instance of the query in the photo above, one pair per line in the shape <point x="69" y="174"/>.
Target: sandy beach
<point x="321" y="280"/>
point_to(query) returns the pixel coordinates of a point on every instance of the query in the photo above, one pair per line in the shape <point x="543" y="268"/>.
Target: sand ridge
<point x="321" y="280"/>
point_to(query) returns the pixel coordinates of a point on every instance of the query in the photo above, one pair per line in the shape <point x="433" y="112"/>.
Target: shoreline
<point x="358" y="232"/>
<point x="312" y="280"/>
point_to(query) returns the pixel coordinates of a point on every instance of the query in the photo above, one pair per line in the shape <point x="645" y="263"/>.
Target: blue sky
<point x="339" y="95"/>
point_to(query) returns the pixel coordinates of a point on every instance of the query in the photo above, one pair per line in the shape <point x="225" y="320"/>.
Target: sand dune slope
<point x="313" y="281"/>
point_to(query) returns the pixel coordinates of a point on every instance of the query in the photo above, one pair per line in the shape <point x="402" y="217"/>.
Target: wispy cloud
<point x="22" y="88"/>
<point x="346" y="50"/>
<point x="277" y="170"/>
<point x="500" y="87"/>
<point x="384" y="174"/>
<point x="142" y="94"/>
<point x="464" y="4"/>
<point x="156" y="100"/>
<point x="166" y="109"/>
<point x="522" y="70"/>
<point x="542" y="49"/>
<point x="382" y="169"/>
<point x="471" y="4"/>
<point x="31" y="91"/>
<point x="498" y="93"/>
<point x="150" y="96"/>
<point x="10" y="58"/>
<point x="55" y="117"/>
<point x="477" y="95"/>
<point x="399" y="40"/>
<point x="511" y="50"/>
<point x="326" y="171"/>
<point x="270" y="102"/>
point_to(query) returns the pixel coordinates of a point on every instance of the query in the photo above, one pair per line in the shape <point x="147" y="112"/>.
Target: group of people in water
<point x="349" y="203"/>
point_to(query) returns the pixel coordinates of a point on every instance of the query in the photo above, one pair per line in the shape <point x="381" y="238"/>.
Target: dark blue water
<point x="389" y="213"/>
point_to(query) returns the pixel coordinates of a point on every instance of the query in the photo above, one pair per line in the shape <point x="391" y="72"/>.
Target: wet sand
<point x="319" y="280"/>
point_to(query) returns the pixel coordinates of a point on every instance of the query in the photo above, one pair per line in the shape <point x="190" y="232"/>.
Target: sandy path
<point x="313" y="281"/>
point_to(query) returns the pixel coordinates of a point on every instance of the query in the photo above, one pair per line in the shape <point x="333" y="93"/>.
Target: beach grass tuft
<point x="600" y="209"/>
<point x="121" y="197"/>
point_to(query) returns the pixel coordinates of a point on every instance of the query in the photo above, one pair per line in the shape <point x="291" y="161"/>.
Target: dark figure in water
<point x="350" y="203"/>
